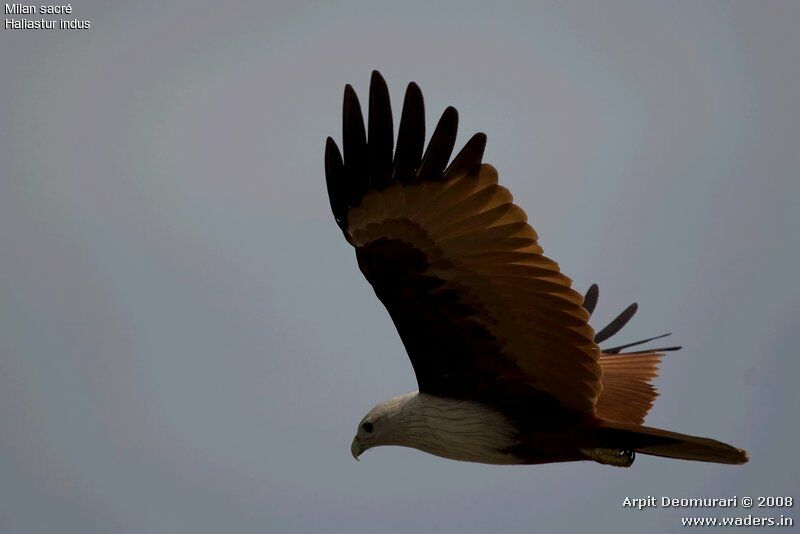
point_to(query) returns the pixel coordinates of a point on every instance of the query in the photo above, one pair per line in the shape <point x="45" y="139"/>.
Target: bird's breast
<point x="461" y="430"/>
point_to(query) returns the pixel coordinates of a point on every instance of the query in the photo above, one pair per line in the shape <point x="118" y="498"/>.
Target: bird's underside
<point x="508" y="368"/>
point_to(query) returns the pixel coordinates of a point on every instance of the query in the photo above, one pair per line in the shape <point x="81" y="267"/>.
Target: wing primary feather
<point x="440" y="147"/>
<point x="615" y="325"/>
<point x="417" y="224"/>
<point x="469" y="157"/>
<point x="615" y="350"/>
<point x="355" y="147"/>
<point x="648" y="351"/>
<point x="590" y="299"/>
<point x="411" y="135"/>
<point x="334" y="171"/>
<point x="380" y="130"/>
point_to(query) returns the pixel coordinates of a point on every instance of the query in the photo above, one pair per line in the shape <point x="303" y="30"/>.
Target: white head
<point x="456" y="429"/>
<point x="386" y="424"/>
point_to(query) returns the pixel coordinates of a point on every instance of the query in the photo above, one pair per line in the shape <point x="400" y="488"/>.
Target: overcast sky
<point x="186" y="344"/>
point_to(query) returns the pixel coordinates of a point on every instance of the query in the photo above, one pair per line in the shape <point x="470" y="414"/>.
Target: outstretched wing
<point x="482" y="313"/>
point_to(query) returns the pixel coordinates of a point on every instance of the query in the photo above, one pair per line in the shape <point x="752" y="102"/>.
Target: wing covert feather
<point x="526" y="304"/>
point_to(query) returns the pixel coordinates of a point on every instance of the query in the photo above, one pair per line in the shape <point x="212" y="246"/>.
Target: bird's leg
<point x="615" y="457"/>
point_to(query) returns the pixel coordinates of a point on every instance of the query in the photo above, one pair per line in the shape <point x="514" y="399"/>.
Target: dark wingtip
<point x="354" y="147"/>
<point x="352" y="107"/>
<point x="380" y="132"/>
<point x="647" y="351"/>
<point x="619" y="348"/>
<point x="376" y="81"/>
<point x="332" y="155"/>
<point x="451" y="113"/>
<point x="616" y="325"/>
<point x="411" y="134"/>
<point x="440" y="146"/>
<point x="590" y="299"/>
<point x="376" y="76"/>
<point x="469" y="157"/>
<point x="337" y="189"/>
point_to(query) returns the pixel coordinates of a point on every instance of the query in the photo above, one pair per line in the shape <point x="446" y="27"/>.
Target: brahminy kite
<point x="508" y="369"/>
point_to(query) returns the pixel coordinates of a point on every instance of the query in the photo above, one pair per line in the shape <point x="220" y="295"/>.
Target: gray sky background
<point x="186" y="344"/>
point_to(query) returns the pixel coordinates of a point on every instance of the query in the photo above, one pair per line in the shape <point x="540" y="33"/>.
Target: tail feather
<point x="628" y="395"/>
<point x="658" y="442"/>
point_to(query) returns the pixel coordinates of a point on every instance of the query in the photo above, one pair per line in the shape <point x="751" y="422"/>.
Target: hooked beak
<point x="355" y="448"/>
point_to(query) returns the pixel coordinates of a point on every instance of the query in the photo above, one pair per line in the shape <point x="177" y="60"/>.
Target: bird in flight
<point x="508" y="369"/>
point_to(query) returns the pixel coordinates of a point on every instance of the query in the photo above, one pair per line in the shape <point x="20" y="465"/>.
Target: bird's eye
<point x="367" y="427"/>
